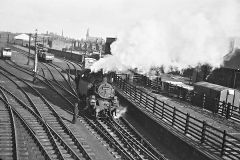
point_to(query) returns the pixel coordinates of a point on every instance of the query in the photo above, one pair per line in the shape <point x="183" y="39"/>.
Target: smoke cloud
<point x="120" y="112"/>
<point x="179" y="33"/>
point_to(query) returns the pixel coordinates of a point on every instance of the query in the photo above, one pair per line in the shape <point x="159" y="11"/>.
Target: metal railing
<point x="216" y="141"/>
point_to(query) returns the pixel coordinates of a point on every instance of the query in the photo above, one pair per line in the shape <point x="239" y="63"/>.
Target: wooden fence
<point x="212" y="104"/>
<point x="216" y="141"/>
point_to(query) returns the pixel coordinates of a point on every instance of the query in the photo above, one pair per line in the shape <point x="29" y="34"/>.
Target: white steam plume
<point x="180" y="33"/>
<point x="120" y="112"/>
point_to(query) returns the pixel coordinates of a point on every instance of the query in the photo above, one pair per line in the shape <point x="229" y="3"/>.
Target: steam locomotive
<point x="96" y="94"/>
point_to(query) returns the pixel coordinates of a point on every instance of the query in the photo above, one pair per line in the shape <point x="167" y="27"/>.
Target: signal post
<point x="35" y="59"/>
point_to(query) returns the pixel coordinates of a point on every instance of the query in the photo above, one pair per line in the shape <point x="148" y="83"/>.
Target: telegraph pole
<point x="29" y="44"/>
<point x="8" y="39"/>
<point x="36" y="58"/>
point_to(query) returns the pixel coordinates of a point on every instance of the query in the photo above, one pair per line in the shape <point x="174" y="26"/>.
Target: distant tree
<point x="205" y="69"/>
<point x="161" y="69"/>
<point x="187" y="72"/>
<point x="174" y="70"/>
<point x="97" y="47"/>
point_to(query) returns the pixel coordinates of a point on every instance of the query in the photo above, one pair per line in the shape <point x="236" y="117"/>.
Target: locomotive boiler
<point x="97" y="95"/>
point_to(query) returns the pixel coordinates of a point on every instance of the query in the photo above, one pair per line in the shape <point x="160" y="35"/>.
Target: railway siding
<point x="8" y="146"/>
<point x="54" y="120"/>
<point x="63" y="109"/>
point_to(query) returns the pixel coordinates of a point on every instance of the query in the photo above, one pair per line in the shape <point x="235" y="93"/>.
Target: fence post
<point x="223" y="107"/>
<point x="159" y="86"/>
<point x="203" y="132"/>
<point x="174" y="114"/>
<point x="228" y="110"/>
<point x="187" y="124"/>
<point x="140" y="96"/>
<point x="135" y="93"/>
<point x="144" y="81"/>
<point x="130" y="90"/>
<point x="123" y="84"/>
<point x="203" y="101"/>
<point x="120" y="82"/>
<point x="151" y="84"/>
<point x="179" y="92"/>
<point x="147" y="83"/>
<point x="146" y="103"/>
<point x="216" y="105"/>
<point x="163" y="110"/>
<point x="114" y="77"/>
<point x="168" y="89"/>
<point x="193" y="97"/>
<point x="223" y="142"/>
<point x="154" y="105"/>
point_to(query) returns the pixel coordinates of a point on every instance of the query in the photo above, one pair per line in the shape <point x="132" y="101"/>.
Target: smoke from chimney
<point x="180" y="33"/>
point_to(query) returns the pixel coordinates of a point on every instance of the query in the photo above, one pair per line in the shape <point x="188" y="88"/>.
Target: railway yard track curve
<point x="32" y="118"/>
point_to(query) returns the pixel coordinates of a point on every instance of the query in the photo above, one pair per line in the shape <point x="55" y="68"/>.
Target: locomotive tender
<point x="96" y="94"/>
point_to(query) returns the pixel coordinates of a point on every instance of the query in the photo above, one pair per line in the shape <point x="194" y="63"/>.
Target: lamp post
<point x="36" y="58"/>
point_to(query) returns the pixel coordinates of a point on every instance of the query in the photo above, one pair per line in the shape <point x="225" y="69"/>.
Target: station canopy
<point x="23" y="37"/>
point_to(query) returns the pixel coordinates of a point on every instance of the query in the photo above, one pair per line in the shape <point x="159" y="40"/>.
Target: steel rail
<point x="67" y="81"/>
<point x="136" y="144"/>
<point x="111" y="141"/>
<point x="14" y="133"/>
<point x="140" y="140"/>
<point x="121" y="139"/>
<point x="40" y="121"/>
<point x="74" y="139"/>
<point x="25" y="124"/>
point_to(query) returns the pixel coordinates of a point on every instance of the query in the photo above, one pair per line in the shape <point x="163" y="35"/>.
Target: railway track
<point x="135" y="138"/>
<point x="43" y="133"/>
<point x="21" y="142"/>
<point x="50" y="76"/>
<point x="49" y="83"/>
<point x="58" y="82"/>
<point x="50" y="116"/>
<point x="120" y="149"/>
<point x="134" y="148"/>
<point x="70" y="79"/>
<point x="8" y="135"/>
<point x="107" y="141"/>
<point x="122" y="144"/>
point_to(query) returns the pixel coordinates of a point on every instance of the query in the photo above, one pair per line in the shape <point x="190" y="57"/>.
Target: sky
<point x="149" y="32"/>
<point x="103" y="17"/>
